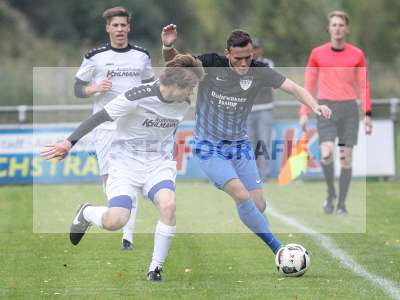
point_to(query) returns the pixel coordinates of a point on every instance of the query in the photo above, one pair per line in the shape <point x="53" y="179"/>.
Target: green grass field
<point x="221" y="263"/>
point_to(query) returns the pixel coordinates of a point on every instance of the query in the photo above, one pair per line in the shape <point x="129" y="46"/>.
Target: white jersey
<point x="127" y="67"/>
<point x="146" y="125"/>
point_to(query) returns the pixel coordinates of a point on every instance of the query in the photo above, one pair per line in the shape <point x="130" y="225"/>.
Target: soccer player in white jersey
<point x="141" y="157"/>
<point x="106" y="72"/>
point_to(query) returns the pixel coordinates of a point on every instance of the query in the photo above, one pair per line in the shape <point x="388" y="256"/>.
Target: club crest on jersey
<point x="245" y="82"/>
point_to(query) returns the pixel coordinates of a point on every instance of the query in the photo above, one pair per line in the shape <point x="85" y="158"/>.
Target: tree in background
<point x="56" y="32"/>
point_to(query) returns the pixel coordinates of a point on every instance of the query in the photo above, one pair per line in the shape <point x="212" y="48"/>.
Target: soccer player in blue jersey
<point x="224" y="100"/>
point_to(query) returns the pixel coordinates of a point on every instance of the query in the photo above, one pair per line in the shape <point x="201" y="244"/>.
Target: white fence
<point x="23" y="111"/>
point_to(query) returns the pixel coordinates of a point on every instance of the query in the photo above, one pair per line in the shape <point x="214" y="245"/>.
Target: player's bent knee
<point x="168" y="208"/>
<point x="112" y="224"/>
<point x="115" y="218"/>
<point x="241" y="194"/>
<point x="117" y="215"/>
<point x="163" y="196"/>
<point x="236" y="190"/>
<point x="165" y="200"/>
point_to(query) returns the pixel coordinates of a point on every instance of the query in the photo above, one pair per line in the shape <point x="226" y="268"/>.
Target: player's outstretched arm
<point x="169" y="35"/>
<point x="305" y="97"/>
<point x="58" y="150"/>
<point x="61" y="150"/>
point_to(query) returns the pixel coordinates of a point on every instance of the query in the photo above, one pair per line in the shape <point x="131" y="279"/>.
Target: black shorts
<point x="343" y="123"/>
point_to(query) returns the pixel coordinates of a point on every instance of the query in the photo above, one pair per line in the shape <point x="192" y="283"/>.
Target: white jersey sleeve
<point x="86" y="70"/>
<point x="120" y="106"/>
<point x="147" y="72"/>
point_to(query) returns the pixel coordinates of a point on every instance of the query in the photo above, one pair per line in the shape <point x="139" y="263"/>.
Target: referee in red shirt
<point x="334" y="73"/>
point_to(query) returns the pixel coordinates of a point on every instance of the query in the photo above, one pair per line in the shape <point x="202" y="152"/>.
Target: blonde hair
<point x="184" y="70"/>
<point x="340" y="14"/>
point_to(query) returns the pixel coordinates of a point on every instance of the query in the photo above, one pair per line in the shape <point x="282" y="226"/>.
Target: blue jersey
<point x="225" y="98"/>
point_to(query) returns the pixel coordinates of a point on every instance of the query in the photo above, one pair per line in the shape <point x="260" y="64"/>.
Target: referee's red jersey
<point x="337" y="75"/>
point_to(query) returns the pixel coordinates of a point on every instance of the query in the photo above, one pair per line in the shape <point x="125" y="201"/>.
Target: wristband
<point x="167" y="47"/>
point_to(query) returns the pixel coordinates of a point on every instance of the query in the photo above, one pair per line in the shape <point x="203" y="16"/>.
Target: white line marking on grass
<point x="385" y="284"/>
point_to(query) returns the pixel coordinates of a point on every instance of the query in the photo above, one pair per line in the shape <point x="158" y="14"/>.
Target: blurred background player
<point x="106" y="72"/>
<point x="224" y="100"/>
<point x="141" y="154"/>
<point x="260" y="119"/>
<point x="338" y="69"/>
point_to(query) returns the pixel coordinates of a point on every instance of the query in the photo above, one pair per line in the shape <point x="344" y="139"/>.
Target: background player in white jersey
<point x="141" y="157"/>
<point x="105" y="73"/>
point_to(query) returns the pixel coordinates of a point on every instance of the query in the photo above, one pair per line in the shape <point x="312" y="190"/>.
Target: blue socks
<point x="256" y="222"/>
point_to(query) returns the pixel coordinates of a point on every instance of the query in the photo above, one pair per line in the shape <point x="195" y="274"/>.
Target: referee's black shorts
<point x="343" y="123"/>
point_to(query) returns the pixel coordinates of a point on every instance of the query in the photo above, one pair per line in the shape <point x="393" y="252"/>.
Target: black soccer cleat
<point x="126" y="245"/>
<point x="341" y="210"/>
<point x="79" y="225"/>
<point x="329" y="206"/>
<point x="154" y="275"/>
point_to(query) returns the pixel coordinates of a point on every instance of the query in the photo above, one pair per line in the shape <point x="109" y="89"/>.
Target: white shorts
<point x="130" y="183"/>
<point x="102" y="139"/>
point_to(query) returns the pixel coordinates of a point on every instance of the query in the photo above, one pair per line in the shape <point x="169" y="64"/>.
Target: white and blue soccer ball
<point x="292" y="260"/>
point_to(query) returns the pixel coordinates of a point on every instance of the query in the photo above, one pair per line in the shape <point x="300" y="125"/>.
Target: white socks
<point x="129" y="227"/>
<point x="162" y="242"/>
<point x="94" y="214"/>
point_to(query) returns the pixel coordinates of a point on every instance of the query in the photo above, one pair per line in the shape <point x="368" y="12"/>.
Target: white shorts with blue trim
<point x="139" y="180"/>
